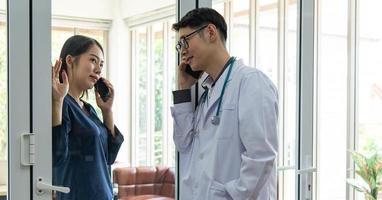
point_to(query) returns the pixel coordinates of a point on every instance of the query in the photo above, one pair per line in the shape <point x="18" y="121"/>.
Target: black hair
<point x="75" y="46"/>
<point x="202" y="16"/>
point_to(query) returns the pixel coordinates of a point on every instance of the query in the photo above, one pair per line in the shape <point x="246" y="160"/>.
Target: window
<point x="345" y="48"/>
<point x="153" y="65"/>
<point x="332" y="97"/>
<point x="240" y="40"/>
<point x="288" y="139"/>
<point x="369" y="124"/>
<point x="267" y="38"/>
<point x="3" y="93"/>
<point x="368" y="80"/>
<point x="3" y="103"/>
<point x="275" y="45"/>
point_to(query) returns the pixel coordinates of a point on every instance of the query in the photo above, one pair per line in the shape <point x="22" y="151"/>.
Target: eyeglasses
<point x="183" y="41"/>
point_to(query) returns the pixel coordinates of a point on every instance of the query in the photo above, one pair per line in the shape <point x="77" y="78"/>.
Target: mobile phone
<point x="195" y="74"/>
<point x="102" y="89"/>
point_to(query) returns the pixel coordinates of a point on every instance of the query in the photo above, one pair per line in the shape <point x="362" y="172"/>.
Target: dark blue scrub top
<point x="83" y="150"/>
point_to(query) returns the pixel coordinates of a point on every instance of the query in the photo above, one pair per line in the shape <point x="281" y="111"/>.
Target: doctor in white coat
<point x="228" y="144"/>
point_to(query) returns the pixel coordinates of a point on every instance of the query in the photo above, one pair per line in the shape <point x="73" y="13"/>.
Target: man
<point x="228" y="145"/>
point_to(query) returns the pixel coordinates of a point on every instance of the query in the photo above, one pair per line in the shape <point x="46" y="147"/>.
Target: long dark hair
<point x="75" y="46"/>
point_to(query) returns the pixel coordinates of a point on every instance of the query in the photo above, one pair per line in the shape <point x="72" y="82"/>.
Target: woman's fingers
<point x="56" y="69"/>
<point x="65" y="78"/>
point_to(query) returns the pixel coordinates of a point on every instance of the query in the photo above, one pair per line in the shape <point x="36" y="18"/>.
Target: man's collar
<point x="209" y="82"/>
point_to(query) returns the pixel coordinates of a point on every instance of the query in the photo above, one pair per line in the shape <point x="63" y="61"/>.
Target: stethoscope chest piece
<point x="215" y="120"/>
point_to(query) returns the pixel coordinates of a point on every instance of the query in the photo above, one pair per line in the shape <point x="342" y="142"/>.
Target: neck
<point x="216" y="63"/>
<point x="75" y="93"/>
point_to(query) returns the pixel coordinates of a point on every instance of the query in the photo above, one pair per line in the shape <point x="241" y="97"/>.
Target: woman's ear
<point x="69" y="60"/>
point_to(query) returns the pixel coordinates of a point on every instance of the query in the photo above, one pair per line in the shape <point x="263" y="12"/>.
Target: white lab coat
<point x="235" y="159"/>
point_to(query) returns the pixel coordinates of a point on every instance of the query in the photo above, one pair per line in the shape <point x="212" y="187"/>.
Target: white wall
<point x="134" y="7"/>
<point x="98" y="9"/>
<point x="119" y="75"/>
<point x="3" y="5"/>
<point x="102" y="9"/>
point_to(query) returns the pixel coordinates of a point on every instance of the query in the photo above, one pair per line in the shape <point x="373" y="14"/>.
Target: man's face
<point x="193" y="46"/>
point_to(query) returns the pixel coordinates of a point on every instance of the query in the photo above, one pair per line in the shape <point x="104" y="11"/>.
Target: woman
<point x="84" y="147"/>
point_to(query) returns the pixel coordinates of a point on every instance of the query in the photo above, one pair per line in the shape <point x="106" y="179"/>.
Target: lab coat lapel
<point x="216" y="91"/>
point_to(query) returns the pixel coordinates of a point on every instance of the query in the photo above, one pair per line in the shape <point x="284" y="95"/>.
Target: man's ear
<point x="69" y="60"/>
<point x="212" y="33"/>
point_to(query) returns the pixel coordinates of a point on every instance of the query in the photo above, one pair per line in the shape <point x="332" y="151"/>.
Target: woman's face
<point x="87" y="68"/>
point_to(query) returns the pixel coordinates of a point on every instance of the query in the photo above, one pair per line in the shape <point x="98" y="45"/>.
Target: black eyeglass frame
<point x="183" y="41"/>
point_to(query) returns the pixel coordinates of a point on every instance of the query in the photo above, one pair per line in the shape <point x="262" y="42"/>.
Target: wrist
<point x="57" y="102"/>
<point x="107" y="111"/>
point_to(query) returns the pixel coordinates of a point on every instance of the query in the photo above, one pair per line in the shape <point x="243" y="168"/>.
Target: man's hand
<point x="185" y="81"/>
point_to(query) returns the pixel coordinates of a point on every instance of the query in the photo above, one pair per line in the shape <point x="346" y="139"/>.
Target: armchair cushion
<point x="138" y="183"/>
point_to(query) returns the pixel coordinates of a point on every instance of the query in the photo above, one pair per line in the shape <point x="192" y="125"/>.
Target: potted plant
<point x="369" y="169"/>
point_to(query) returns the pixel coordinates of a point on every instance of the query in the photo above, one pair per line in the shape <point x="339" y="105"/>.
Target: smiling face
<point x="197" y="51"/>
<point x="87" y="68"/>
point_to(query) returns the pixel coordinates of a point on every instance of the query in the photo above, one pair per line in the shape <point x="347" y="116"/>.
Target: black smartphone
<point x="195" y="74"/>
<point x="102" y="89"/>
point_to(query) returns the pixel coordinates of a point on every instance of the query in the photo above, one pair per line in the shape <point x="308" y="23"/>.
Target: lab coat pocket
<point x="215" y="190"/>
<point x="228" y="121"/>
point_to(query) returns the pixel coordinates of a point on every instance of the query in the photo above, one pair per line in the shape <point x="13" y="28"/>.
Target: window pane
<point x="240" y="32"/>
<point x="219" y="7"/>
<point x="332" y="98"/>
<point x="3" y="92"/>
<point x="172" y="86"/>
<point x="267" y="47"/>
<point x="142" y="100"/>
<point x="289" y="142"/>
<point x="370" y="81"/>
<point x="369" y="124"/>
<point x="3" y="108"/>
<point x="158" y="92"/>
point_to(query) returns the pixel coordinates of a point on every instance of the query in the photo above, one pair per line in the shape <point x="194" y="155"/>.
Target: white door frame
<point x="306" y="94"/>
<point x="29" y="97"/>
<point x="42" y="95"/>
<point x="19" y="181"/>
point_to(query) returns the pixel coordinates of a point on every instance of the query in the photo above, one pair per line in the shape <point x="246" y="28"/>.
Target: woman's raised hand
<point x="59" y="90"/>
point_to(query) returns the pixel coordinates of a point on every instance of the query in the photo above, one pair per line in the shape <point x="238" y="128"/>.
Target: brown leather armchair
<point x="141" y="183"/>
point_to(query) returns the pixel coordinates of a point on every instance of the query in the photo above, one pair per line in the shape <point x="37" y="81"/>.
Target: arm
<point x="59" y="91"/>
<point x="258" y="113"/>
<point x="106" y="107"/>
<point x="57" y="112"/>
<point x="114" y="144"/>
<point x="60" y="137"/>
<point x="60" y="116"/>
<point x="108" y="120"/>
<point x="183" y="115"/>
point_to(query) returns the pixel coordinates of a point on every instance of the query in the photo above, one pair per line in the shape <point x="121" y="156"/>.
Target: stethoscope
<point x="215" y="120"/>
